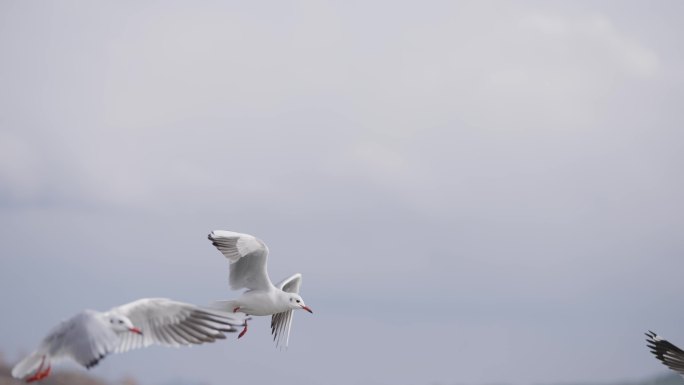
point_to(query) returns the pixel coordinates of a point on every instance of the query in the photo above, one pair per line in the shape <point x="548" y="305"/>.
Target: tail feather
<point x="31" y="365"/>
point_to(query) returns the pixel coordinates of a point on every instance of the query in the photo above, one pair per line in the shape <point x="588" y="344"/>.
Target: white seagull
<point x="666" y="352"/>
<point x="89" y="336"/>
<point x="247" y="256"/>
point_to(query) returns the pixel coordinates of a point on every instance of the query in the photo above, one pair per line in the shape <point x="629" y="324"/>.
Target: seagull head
<point x="296" y="302"/>
<point x="121" y="324"/>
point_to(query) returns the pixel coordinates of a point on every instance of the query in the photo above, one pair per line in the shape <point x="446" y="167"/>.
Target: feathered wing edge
<point x="171" y="323"/>
<point x="248" y="258"/>
<point x="281" y="323"/>
<point x="666" y="352"/>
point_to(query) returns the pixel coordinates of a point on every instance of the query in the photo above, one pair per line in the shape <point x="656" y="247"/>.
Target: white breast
<point x="262" y="303"/>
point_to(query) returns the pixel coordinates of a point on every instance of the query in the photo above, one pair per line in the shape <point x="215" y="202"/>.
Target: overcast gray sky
<point x="475" y="192"/>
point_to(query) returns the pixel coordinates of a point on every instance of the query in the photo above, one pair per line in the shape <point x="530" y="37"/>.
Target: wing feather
<point x="291" y="284"/>
<point x="172" y="323"/>
<point x="280" y="328"/>
<point x="281" y="323"/>
<point x="666" y="352"/>
<point x="248" y="257"/>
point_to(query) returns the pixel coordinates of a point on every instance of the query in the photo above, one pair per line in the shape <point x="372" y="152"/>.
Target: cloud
<point x="599" y="34"/>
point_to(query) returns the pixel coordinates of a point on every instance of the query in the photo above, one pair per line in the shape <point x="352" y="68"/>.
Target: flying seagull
<point x="247" y="256"/>
<point x="667" y="353"/>
<point x="89" y="336"/>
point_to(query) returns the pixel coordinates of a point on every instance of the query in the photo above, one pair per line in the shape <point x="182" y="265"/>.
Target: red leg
<point x="37" y="375"/>
<point x="236" y="309"/>
<point x="242" y="333"/>
<point x="45" y="373"/>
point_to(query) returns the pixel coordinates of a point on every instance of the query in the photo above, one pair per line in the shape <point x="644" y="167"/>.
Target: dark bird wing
<point x="666" y="352"/>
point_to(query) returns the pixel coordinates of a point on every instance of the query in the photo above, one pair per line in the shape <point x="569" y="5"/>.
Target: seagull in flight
<point x="248" y="256"/>
<point x="90" y="336"/>
<point x="666" y="352"/>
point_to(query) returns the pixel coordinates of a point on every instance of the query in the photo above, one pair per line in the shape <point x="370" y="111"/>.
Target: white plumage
<point x="248" y="258"/>
<point x="89" y="336"/>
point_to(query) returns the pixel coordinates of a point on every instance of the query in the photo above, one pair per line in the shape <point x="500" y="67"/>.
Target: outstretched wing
<point x="281" y="323"/>
<point x="666" y="352"/>
<point x="247" y="256"/>
<point x="172" y="323"/>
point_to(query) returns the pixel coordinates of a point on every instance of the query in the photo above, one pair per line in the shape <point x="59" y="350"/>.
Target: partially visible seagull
<point x="666" y="352"/>
<point x="247" y="256"/>
<point x="89" y="336"/>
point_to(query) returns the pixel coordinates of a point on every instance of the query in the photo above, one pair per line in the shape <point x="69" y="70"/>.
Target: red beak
<point x="136" y="330"/>
<point x="307" y="309"/>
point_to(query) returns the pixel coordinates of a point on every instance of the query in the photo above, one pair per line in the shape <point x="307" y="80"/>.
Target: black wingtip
<point x="94" y="362"/>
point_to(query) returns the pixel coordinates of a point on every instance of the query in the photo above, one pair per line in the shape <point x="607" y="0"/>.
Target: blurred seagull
<point x="247" y="256"/>
<point x="89" y="336"/>
<point x="667" y="353"/>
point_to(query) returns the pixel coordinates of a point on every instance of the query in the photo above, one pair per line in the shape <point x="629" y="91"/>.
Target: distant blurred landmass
<point x="70" y="377"/>
<point x="59" y="377"/>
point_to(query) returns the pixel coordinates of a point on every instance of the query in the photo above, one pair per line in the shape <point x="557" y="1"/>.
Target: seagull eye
<point x="120" y="321"/>
<point x="298" y="301"/>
